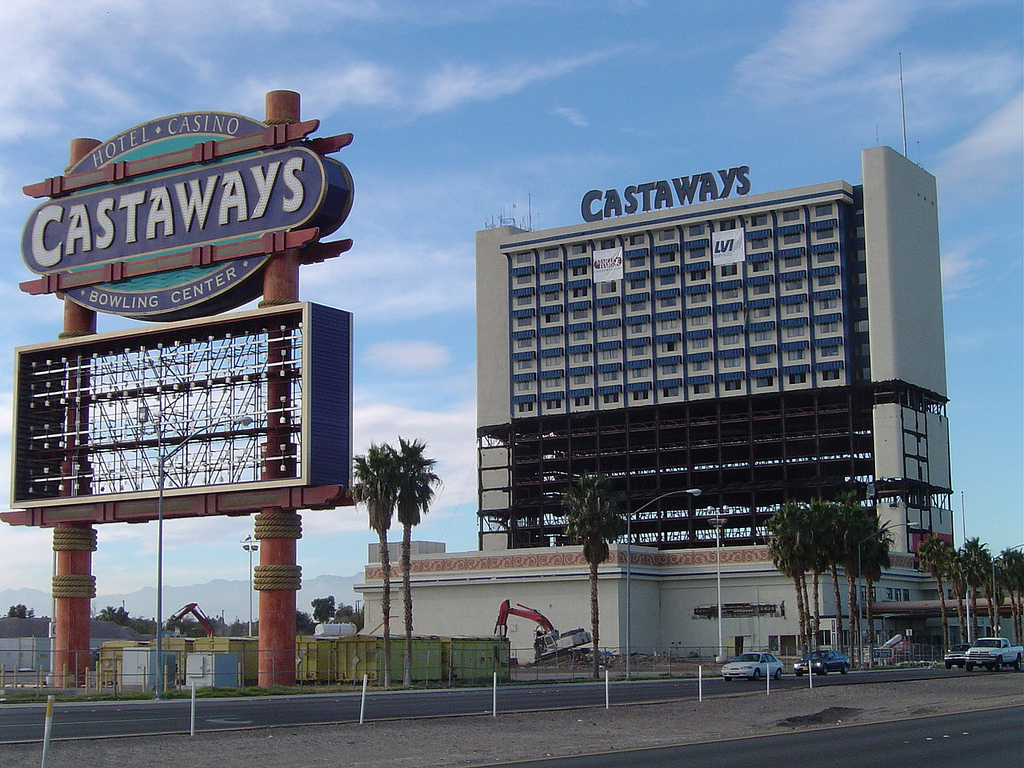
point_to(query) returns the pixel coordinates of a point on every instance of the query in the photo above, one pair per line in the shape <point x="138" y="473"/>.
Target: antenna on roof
<point x="903" y="107"/>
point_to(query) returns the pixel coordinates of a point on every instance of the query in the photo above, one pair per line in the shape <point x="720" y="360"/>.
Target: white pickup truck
<point x="992" y="653"/>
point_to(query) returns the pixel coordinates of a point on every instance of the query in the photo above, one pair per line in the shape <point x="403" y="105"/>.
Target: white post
<point x="700" y="683"/>
<point x="810" y="676"/>
<point x="768" y="680"/>
<point x="192" y="713"/>
<point x="494" y="697"/>
<point x="607" y="700"/>
<point x="46" y="728"/>
<point x="362" y="701"/>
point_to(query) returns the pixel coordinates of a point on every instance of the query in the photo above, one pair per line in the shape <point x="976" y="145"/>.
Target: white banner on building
<point x="727" y="247"/>
<point x="607" y="265"/>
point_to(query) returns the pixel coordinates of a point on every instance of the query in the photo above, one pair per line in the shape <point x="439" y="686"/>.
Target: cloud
<point x="988" y="159"/>
<point x="574" y="116"/>
<point x="960" y="271"/>
<point x="457" y="84"/>
<point x="408" y="357"/>
<point x="818" y="40"/>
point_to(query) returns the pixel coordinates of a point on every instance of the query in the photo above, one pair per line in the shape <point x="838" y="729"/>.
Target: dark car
<point x="821" y="663"/>
<point x="956" y="656"/>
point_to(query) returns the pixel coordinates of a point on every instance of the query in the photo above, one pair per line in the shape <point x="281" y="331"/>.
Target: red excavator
<point x="548" y="641"/>
<point x="196" y="611"/>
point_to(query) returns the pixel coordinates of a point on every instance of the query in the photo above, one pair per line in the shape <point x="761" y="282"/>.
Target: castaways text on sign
<point x="655" y="195"/>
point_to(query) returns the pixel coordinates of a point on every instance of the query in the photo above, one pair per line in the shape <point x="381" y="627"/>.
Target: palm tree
<point x="819" y="550"/>
<point x="788" y="548"/>
<point x="416" y="484"/>
<point x="874" y="559"/>
<point x="975" y="561"/>
<point x="1011" y="568"/>
<point x="375" y="484"/>
<point x="854" y="525"/>
<point x="956" y="575"/>
<point x="593" y="519"/>
<point x="936" y="556"/>
<point x="842" y="510"/>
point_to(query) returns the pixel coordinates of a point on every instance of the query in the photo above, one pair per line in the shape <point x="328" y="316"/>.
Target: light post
<point x="963" y="524"/>
<point x="866" y="596"/>
<point x="250" y="545"/>
<point x="629" y="564"/>
<point x="162" y="457"/>
<point x="718" y="521"/>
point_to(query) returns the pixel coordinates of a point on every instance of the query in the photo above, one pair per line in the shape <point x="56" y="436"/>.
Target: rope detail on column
<point x="82" y="539"/>
<point x="74" y="585"/>
<point x="270" y="577"/>
<point x="74" y="334"/>
<point x="277" y="525"/>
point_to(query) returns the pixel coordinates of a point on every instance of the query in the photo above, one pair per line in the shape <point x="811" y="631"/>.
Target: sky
<point x="467" y="112"/>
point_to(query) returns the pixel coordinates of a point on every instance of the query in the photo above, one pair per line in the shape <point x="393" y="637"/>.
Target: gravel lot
<point x="482" y="740"/>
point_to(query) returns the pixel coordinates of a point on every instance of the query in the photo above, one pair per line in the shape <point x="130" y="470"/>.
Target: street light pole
<point x="629" y="564"/>
<point x="250" y="545"/>
<point x="161" y="465"/>
<point x="718" y="521"/>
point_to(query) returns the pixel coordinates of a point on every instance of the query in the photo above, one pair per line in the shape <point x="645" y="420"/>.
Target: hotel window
<point x="522" y="322"/>
<point x="731" y="339"/>
<point x="610" y="354"/>
<point x="525" y="407"/>
<point x="699" y="320"/>
<point x="798" y="378"/>
<point x="795" y="332"/>
<point x="759" y="220"/>
<point x="642" y="394"/>
<point x="829" y="352"/>
<point x="791" y="262"/>
<point x="579" y="335"/>
<point x="790" y="239"/>
<point x="762" y="289"/>
<point x="551" y="254"/>
<point x="641" y="283"/>
<point x="696" y="229"/>
<point x="824" y="234"/>
<point x="763" y="312"/>
<point x="697" y="275"/>
<point x="764" y="335"/>
<point x="667" y="234"/>
<point x="791" y="215"/>
<point x="732" y="315"/>
<point x="794" y="285"/>
<point x="827" y="256"/>
<point x="670" y="392"/>
<point x="580" y="379"/>
<point x="731" y="362"/>
<point x="701" y="389"/>
<point x="731" y="293"/>
<point x="524" y="343"/>
<point x="668" y="301"/>
<point x="767" y="381"/>
<point x="637" y="306"/>
<point x="523" y="300"/>
<point x="729" y="269"/>
<point x="759" y="266"/>
<point x="763" y="359"/>
<point x="827" y="280"/>
<point x="610" y="398"/>
<point x="610" y="376"/>
<point x="665" y="370"/>
<point x="732" y="386"/>
<point x="581" y="357"/>
<point x="822" y="210"/>
<point x="828" y="303"/>
<point x="579" y="248"/>
<point x="699" y="343"/>
<point x="641" y="351"/>
<point x="796" y="309"/>
<point x="795" y="354"/>
<point x="668" y="346"/>
<point x="827" y="328"/>
<point x="667" y="280"/>
<point x="607" y="244"/>
<point x="830" y="375"/>
<point x="524" y="386"/>
<point x="525" y="258"/>
<point x="700" y="365"/>
<point x="524" y="365"/>
<point x="726" y="224"/>
<point x="699" y="298"/>
<point x="580" y="314"/>
<point x="552" y="405"/>
<point x="638" y="329"/>
<point x="610" y="309"/>
<point x="524" y="279"/>
<point x="611" y="286"/>
<point x="639" y="373"/>
<point x="668" y="325"/>
<point x="636" y="239"/>
<point x="581" y="401"/>
<point x="605" y="333"/>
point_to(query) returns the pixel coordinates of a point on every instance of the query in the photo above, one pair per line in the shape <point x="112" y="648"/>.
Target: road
<point x="987" y="739"/>
<point x="24" y="723"/>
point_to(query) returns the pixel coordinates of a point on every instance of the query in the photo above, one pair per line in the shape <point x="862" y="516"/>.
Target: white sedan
<point x="753" y="666"/>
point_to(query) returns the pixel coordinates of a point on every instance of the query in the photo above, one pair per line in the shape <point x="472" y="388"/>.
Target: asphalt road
<point x="987" y="739"/>
<point x="24" y="723"/>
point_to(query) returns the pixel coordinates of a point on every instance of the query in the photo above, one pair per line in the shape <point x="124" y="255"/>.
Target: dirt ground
<point x="483" y="740"/>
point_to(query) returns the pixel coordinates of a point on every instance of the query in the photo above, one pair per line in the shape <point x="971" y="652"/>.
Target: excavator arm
<point x="508" y="609"/>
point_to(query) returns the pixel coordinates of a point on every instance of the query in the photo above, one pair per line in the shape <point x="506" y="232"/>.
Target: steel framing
<point x="748" y="455"/>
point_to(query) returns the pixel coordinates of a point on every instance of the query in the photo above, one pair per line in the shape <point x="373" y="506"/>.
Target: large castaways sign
<point x="175" y="218"/>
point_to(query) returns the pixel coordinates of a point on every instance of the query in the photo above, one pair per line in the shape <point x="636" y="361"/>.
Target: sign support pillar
<point x="278" y="577"/>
